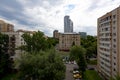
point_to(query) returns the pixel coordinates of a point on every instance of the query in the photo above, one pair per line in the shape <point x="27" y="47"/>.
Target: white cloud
<point x="47" y="15"/>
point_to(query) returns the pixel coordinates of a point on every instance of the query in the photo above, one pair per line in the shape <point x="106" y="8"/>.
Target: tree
<point x="78" y="53"/>
<point x="90" y="44"/>
<point x="41" y="66"/>
<point x="117" y="77"/>
<point x="5" y="63"/>
<point x="52" y="42"/>
<point x="35" y="42"/>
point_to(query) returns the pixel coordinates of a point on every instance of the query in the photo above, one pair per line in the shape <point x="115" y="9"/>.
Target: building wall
<point x="6" y="27"/>
<point x="66" y="40"/>
<point x="15" y="41"/>
<point x="56" y="34"/>
<point x="108" y="44"/>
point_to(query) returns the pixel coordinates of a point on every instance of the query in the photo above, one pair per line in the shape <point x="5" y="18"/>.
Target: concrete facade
<point x="67" y="40"/>
<point x="108" y="32"/>
<point x="6" y="27"/>
<point x="15" y="41"/>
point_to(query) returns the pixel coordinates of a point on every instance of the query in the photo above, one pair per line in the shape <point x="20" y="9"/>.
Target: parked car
<point x="76" y="73"/>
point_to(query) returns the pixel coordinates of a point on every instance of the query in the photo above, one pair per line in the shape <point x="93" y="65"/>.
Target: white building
<point x="15" y="41"/>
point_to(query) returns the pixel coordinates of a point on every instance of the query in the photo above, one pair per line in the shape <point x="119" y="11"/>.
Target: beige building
<point x="109" y="44"/>
<point x="67" y="40"/>
<point x="6" y="27"/>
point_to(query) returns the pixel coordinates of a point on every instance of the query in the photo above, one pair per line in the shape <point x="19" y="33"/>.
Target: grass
<point x="91" y="75"/>
<point x="10" y="77"/>
<point x="92" y="62"/>
<point x="63" y="54"/>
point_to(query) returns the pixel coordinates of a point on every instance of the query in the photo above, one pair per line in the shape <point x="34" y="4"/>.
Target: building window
<point x="114" y="46"/>
<point x="114" y="40"/>
<point x="114" y="69"/>
<point x="114" y="22"/>
<point x="114" y="34"/>
<point x="114" y="16"/>
<point x="114" y="63"/>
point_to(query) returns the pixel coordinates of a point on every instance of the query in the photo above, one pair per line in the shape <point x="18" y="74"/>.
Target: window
<point x="114" y="63"/>
<point x="114" y="22"/>
<point x="114" y="16"/>
<point x="114" y="69"/>
<point x="114" y="40"/>
<point x="114" y="34"/>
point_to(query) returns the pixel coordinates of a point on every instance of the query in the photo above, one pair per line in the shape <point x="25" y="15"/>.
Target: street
<point x="69" y="69"/>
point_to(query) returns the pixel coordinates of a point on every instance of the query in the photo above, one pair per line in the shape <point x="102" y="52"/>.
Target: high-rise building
<point x="68" y="25"/>
<point x="83" y="34"/>
<point x="109" y="44"/>
<point x="6" y="27"/>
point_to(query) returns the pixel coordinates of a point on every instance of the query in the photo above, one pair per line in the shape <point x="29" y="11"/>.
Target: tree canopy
<point x="78" y="53"/>
<point x="90" y="44"/>
<point x="37" y="41"/>
<point x="41" y="66"/>
<point x="5" y="63"/>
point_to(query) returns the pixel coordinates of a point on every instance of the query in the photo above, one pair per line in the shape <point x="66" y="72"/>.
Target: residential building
<point x="68" y="25"/>
<point x="15" y="41"/>
<point x="67" y="40"/>
<point x="83" y="34"/>
<point x="56" y="34"/>
<point x="6" y="27"/>
<point x="109" y="44"/>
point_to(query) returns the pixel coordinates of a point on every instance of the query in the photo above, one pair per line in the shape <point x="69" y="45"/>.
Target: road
<point x="69" y="68"/>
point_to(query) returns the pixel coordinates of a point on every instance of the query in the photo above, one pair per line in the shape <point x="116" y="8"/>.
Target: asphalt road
<point x="69" y="69"/>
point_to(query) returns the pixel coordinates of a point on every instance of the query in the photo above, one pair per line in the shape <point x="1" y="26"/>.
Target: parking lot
<point x="69" y="69"/>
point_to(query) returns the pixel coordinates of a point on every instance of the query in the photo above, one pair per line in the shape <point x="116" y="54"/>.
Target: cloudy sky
<point x="47" y="15"/>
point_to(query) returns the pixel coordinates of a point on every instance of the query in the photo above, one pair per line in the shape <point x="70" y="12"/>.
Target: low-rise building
<point x="67" y="40"/>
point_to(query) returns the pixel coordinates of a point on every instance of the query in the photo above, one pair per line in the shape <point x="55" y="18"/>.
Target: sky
<point x="48" y="15"/>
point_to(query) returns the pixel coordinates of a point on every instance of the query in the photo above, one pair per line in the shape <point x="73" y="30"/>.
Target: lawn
<point x="10" y="77"/>
<point x="93" y="62"/>
<point x="91" y="75"/>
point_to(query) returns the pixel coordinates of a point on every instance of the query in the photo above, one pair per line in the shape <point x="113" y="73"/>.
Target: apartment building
<point x="15" y="41"/>
<point x="67" y="40"/>
<point x="109" y="44"/>
<point x="6" y="27"/>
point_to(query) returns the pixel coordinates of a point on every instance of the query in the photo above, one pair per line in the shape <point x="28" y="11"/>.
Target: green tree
<point x="52" y="42"/>
<point x="78" y="53"/>
<point x="34" y="42"/>
<point x="5" y="63"/>
<point x="41" y="66"/>
<point x="90" y="44"/>
<point x="117" y="77"/>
